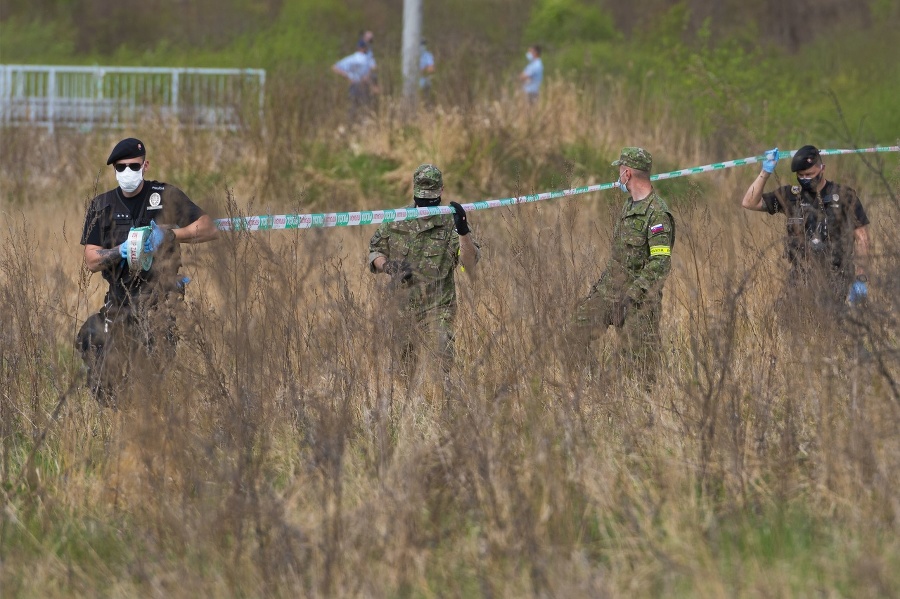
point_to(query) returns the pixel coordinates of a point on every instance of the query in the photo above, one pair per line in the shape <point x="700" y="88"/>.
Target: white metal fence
<point x="52" y="96"/>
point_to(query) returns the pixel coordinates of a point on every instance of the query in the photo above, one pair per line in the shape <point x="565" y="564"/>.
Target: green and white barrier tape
<point x="137" y="259"/>
<point x="375" y="217"/>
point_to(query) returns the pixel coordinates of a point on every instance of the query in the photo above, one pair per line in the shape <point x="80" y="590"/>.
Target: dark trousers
<point x="360" y="101"/>
<point x="122" y="339"/>
<point x="813" y="295"/>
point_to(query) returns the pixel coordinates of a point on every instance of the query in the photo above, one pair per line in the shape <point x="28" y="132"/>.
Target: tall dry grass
<point x="280" y="455"/>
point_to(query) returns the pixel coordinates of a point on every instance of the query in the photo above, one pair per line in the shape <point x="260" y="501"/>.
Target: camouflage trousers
<point x="640" y="343"/>
<point x="118" y="343"/>
<point x="424" y="342"/>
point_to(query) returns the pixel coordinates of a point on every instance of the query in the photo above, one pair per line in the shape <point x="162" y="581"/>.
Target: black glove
<point x="459" y="219"/>
<point x="400" y="270"/>
<point x="620" y="311"/>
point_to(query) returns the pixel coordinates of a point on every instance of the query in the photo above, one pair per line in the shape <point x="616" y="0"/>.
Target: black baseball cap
<point x="806" y="157"/>
<point x="127" y="148"/>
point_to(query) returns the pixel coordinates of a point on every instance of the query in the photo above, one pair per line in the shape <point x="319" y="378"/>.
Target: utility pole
<point x="412" y="37"/>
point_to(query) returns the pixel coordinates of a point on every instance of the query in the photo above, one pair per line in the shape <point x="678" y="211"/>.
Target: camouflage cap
<point x="428" y="182"/>
<point x="638" y="158"/>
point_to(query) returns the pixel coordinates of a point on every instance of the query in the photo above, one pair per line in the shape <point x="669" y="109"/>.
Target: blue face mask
<point x="529" y="56"/>
<point x="622" y="186"/>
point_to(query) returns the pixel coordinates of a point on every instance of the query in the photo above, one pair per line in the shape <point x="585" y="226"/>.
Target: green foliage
<point x="479" y="25"/>
<point x="302" y="35"/>
<point x="96" y="544"/>
<point x="345" y="167"/>
<point x="581" y="37"/>
<point x="243" y="35"/>
<point x="724" y="84"/>
<point x="781" y="534"/>
<point x="22" y="39"/>
<point x="369" y="170"/>
<point x="855" y="81"/>
<point x="792" y="542"/>
<point x="732" y="90"/>
<point x="562" y="22"/>
<point x="586" y="157"/>
<point x="884" y="11"/>
<point x="729" y="90"/>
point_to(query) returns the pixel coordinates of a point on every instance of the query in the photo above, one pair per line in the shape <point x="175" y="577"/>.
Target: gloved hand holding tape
<point x="134" y="249"/>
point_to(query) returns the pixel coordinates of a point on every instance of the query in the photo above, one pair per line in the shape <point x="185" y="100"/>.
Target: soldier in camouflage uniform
<point x="629" y="293"/>
<point x="421" y="256"/>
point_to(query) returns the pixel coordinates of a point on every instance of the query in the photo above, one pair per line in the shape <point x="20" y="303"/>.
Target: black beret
<point x="805" y="157"/>
<point x="127" y="148"/>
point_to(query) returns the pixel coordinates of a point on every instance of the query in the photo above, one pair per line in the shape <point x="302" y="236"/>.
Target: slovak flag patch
<point x="656" y="229"/>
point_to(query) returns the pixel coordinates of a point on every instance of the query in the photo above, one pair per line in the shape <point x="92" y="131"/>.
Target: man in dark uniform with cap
<point x="131" y="236"/>
<point x="827" y="241"/>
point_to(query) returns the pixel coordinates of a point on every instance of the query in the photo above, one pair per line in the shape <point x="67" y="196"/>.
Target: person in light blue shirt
<point x="533" y="74"/>
<point x="368" y="38"/>
<point x="426" y="67"/>
<point x="357" y="69"/>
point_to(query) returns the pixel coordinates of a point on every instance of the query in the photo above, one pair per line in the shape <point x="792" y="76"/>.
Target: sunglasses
<point x="135" y="166"/>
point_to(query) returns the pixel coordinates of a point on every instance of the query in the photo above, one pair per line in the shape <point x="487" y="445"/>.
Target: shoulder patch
<point x="659" y="228"/>
<point x="795" y="189"/>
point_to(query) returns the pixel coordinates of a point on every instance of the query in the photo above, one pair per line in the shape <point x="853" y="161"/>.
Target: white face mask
<point x="529" y="56"/>
<point x="129" y="180"/>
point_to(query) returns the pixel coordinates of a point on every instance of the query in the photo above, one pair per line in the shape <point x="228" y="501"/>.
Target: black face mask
<point x="810" y="184"/>
<point x="426" y="202"/>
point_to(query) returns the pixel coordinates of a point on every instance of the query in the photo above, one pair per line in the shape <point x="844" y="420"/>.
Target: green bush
<point x="25" y="40"/>
<point x="302" y="35"/>
<point x="562" y="22"/>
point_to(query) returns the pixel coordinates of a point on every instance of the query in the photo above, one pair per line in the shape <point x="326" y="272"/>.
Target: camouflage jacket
<point x="641" y="250"/>
<point x="431" y="247"/>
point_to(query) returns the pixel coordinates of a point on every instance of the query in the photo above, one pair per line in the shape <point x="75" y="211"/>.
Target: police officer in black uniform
<point x="136" y="314"/>
<point x="827" y="240"/>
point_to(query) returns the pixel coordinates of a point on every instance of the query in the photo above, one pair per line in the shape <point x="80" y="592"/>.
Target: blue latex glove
<point x="859" y="292"/>
<point x="156" y="238"/>
<point x="123" y="250"/>
<point x="770" y="161"/>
